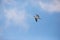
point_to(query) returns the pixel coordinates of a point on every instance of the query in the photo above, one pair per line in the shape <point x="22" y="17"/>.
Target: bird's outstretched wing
<point x="38" y="16"/>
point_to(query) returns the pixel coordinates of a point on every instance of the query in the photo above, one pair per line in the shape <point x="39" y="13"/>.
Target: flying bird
<point x="36" y="17"/>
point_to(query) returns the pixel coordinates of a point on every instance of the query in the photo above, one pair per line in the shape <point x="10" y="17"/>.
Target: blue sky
<point x="17" y="21"/>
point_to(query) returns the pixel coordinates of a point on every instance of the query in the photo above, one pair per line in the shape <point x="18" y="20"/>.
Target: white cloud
<point x="9" y="1"/>
<point x="52" y="7"/>
<point x="15" y="15"/>
<point x="18" y="17"/>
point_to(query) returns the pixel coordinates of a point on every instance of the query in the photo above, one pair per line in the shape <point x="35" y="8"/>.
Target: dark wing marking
<point x="36" y="19"/>
<point x="38" y="16"/>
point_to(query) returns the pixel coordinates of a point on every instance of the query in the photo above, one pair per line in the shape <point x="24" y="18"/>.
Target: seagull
<point x="36" y="17"/>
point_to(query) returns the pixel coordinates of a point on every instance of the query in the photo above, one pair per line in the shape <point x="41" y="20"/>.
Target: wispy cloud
<point x="9" y="1"/>
<point x="17" y="16"/>
<point x="52" y="7"/>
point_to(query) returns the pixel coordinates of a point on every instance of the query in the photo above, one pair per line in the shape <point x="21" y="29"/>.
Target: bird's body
<point x="36" y="17"/>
